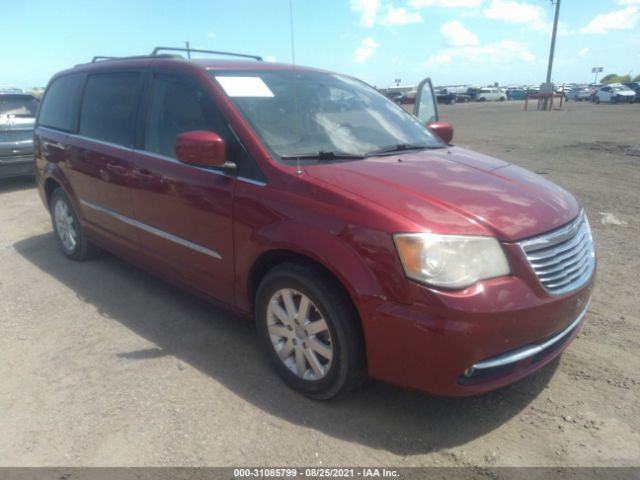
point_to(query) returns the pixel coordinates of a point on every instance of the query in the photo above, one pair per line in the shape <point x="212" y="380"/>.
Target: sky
<point x="452" y="41"/>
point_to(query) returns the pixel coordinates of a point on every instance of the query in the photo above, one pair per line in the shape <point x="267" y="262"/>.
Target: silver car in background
<point x="17" y="117"/>
<point x="579" y="94"/>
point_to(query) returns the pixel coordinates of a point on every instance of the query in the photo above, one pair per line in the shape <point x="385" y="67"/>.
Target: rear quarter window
<point x="59" y="108"/>
<point x="110" y="106"/>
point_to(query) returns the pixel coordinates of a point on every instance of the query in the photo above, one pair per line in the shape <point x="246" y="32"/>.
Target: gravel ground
<point x="102" y="364"/>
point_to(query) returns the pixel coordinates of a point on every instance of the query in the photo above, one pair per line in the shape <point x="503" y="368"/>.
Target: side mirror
<point x="441" y="129"/>
<point x="201" y="148"/>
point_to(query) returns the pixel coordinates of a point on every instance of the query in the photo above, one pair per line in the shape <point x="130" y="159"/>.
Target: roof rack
<point x="189" y="50"/>
<point x="155" y="54"/>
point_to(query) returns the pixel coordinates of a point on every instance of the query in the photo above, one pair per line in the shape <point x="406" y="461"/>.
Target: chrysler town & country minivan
<point x="359" y="239"/>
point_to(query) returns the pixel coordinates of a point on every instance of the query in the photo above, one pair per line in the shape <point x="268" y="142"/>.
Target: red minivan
<point x="359" y="239"/>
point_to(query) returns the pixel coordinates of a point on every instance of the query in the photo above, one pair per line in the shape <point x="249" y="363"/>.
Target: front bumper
<point x="466" y="343"/>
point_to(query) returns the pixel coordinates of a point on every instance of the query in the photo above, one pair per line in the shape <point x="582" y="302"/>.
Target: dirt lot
<point x="102" y="364"/>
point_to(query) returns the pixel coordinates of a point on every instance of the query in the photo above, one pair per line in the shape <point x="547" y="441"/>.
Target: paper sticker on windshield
<point x="244" y="87"/>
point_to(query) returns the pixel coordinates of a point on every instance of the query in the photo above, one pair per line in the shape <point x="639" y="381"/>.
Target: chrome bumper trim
<point x="530" y="350"/>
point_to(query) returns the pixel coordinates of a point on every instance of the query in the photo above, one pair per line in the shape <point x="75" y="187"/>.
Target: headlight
<point x="450" y="261"/>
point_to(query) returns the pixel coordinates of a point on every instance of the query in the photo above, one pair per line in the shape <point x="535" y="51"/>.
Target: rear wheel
<point x="69" y="233"/>
<point x="310" y="331"/>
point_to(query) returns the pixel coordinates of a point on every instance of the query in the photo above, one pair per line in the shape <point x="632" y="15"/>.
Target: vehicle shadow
<point x="226" y="348"/>
<point x="15" y="184"/>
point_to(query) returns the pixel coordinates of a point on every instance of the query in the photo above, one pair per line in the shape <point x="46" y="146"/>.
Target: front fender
<point x="330" y="251"/>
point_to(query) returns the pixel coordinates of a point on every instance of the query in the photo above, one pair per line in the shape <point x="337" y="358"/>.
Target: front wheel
<point x="69" y="233"/>
<point x="310" y="331"/>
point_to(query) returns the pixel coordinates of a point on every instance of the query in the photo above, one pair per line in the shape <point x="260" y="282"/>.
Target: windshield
<point x="310" y="113"/>
<point x="621" y="89"/>
<point x="18" y="105"/>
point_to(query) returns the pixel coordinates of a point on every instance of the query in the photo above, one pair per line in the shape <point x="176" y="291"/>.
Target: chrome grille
<point x="563" y="259"/>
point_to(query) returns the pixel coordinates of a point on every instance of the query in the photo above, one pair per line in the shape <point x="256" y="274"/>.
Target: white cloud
<point x="374" y="12"/>
<point x="270" y="58"/>
<point x="624" y="19"/>
<point x="367" y="47"/>
<point x="583" y="52"/>
<point x="503" y="52"/>
<point x="442" y="58"/>
<point x="447" y="3"/>
<point x="628" y="2"/>
<point x="512" y="11"/>
<point x="211" y="34"/>
<point x="367" y="9"/>
<point x="400" y="16"/>
<point x="455" y="34"/>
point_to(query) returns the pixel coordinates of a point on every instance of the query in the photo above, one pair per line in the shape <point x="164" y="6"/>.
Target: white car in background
<point x="488" y="94"/>
<point x="614" y="93"/>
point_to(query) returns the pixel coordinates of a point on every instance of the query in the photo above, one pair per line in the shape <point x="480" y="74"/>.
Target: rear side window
<point x="60" y="105"/>
<point x="110" y="106"/>
<point x="18" y="105"/>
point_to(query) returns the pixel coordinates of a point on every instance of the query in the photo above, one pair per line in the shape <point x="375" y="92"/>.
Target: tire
<point x="614" y="100"/>
<point x="597" y="100"/>
<point x="501" y="99"/>
<point x="452" y="102"/>
<point x="324" y="361"/>
<point x="69" y="234"/>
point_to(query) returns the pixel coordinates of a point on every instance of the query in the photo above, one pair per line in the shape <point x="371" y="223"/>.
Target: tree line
<point x="615" y="78"/>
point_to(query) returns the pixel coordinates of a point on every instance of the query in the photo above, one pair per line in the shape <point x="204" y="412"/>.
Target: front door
<point x="184" y="212"/>
<point x="426" y="107"/>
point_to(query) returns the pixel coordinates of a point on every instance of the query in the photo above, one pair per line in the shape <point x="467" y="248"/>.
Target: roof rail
<point x="134" y="57"/>
<point x="99" y="58"/>
<point x="189" y="50"/>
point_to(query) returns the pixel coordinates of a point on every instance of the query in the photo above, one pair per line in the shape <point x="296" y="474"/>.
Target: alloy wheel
<point x="65" y="225"/>
<point x="299" y="334"/>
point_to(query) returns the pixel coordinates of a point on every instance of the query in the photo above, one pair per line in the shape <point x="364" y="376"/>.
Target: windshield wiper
<point x="323" y="155"/>
<point x="399" y="147"/>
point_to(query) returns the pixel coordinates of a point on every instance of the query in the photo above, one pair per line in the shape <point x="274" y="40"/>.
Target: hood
<point x="454" y="190"/>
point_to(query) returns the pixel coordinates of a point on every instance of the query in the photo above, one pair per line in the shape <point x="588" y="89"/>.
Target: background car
<point x="408" y="98"/>
<point x="494" y="94"/>
<point x="635" y="86"/>
<point x="17" y="117"/>
<point x="444" y="96"/>
<point x="564" y="89"/>
<point x="579" y="94"/>
<point x="517" y="94"/>
<point x="615" y="93"/>
<point x="463" y="97"/>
